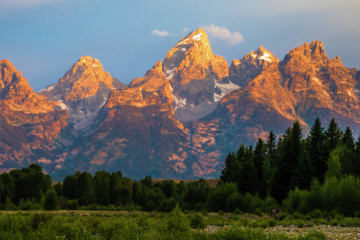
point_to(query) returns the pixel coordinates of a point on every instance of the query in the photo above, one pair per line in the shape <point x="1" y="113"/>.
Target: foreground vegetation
<point x="174" y="225"/>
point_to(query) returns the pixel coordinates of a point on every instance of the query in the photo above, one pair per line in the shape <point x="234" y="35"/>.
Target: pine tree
<point x="228" y="173"/>
<point x="348" y="139"/>
<point x="316" y="148"/>
<point x="333" y="134"/>
<point x="291" y="153"/>
<point x="356" y="158"/>
<point x="303" y="174"/>
<point x="240" y="153"/>
<point x="271" y="148"/>
<point x="247" y="175"/>
<point x="259" y="160"/>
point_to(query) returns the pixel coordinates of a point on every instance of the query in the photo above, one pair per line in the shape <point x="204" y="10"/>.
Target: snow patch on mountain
<point x="265" y="57"/>
<point x="170" y="73"/>
<point x="48" y="89"/>
<point x="197" y="37"/>
<point x="225" y="88"/>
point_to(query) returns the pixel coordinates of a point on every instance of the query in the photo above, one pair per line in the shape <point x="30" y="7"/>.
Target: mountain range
<point x="180" y="119"/>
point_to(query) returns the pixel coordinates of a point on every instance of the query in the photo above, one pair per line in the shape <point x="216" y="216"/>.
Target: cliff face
<point x="198" y="77"/>
<point x="304" y="86"/>
<point x="137" y="132"/>
<point x="29" y="124"/>
<point x="82" y="92"/>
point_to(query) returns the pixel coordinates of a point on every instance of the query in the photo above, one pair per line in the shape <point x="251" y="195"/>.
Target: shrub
<point x="357" y="214"/>
<point x="334" y="223"/>
<point x="177" y="221"/>
<point x="221" y="212"/>
<point x="197" y="221"/>
<point x="238" y="211"/>
<point x="51" y="202"/>
<point x="233" y="202"/>
<point x="317" y="214"/>
<point x="72" y="204"/>
<point x="204" y="212"/>
<point x="258" y="212"/>
<point x="218" y="197"/>
<point x="300" y="223"/>
<point x="39" y="218"/>
<point x="272" y="222"/>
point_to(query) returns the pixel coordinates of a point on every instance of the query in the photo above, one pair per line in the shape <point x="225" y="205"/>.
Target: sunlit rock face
<point x="303" y="86"/>
<point x="29" y="124"/>
<point x="82" y="92"/>
<point x="199" y="79"/>
<point x="138" y="132"/>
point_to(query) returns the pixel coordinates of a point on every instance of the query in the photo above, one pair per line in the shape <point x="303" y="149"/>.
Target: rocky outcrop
<point x="250" y="66"/>
<point x="82" y="92"/>
<point x="137" y="132"/>
<point x="198" y="77"/>
<point x="29" y="124"/>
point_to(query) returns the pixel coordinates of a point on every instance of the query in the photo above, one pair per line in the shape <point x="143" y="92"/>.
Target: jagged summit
<point x="199" y="79"/>
<point x="82" y="91"/>
<point x="17" y="93"/>
<point x="253" y="62"/>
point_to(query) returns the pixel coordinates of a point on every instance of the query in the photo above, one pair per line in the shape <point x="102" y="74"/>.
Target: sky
<point x="44" y="38"/>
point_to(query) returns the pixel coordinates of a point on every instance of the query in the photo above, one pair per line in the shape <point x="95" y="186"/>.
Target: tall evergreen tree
<point x="259" y="160"/>
<point x="303" y="174"/>
<point x="229" y="169"/>
<point x="348" y="139"/>
<point x="356" y="158"/>
<point x="290" y="158"/>
<point x="333" y="134"/>
<point x="241" y="152"/>
<point x="316" y="149"/>
<point x="271" y="148"/>
<point x="247" y="175"/>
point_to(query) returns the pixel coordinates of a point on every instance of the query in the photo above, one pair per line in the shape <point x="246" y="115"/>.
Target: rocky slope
<point x="29" y="124"/>
<point x="305" y="85"/>
<point x="82" y="92"/>
<point x="199" y="79"/>
<point x="138" y="132"/>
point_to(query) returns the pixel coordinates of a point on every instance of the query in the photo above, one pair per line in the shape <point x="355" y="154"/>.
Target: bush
<point x="177" y="221"/>
<point x="51" y="202"/>
<point x="197" y="221"/>
<point x="72" y="204"/>
<point x="167" y="205"/>
<point x="39" y="218"/>
<point x="258" y="212"/>
<point x="357" y="214"/>
<point x="221" y="212"/>
<point x="204" y="212"/>
<point x="317" y="214"/>
<point x="272" y="223"/>
<point x="300" y="223"/>
<point x="219" y="196"/>
<point x="238" y="212"/>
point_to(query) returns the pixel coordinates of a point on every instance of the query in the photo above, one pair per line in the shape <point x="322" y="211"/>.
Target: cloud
<point x="185" y="29"/>
<point x="223" y="33"/>
<point x="159" y="33"/>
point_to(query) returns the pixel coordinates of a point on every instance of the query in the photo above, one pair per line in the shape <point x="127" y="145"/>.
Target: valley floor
<point x="176" y="225"/>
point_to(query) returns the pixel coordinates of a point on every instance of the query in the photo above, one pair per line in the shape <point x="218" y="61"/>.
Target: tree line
<point x="316" y="173"/>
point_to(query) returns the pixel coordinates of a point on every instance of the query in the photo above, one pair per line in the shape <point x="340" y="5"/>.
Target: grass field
<point x="174" y="225"/>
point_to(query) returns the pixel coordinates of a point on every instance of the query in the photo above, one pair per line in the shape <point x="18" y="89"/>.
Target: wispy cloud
<point x="185" y="29"/>
<point x="159" y="33"/>
<point x="231" y="38"/>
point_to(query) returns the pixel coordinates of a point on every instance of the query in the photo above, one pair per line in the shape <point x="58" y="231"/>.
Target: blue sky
<point x="44" y="38"/>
